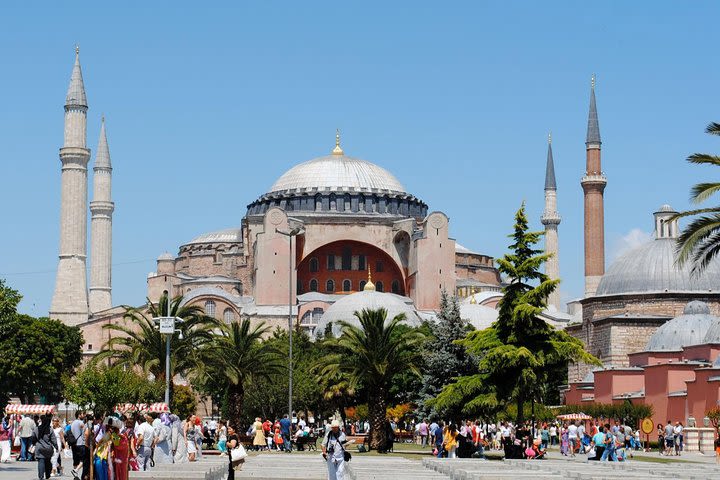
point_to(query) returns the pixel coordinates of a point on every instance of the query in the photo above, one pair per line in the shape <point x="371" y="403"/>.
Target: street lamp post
<point x="167" y="327"/>
<point x="292" y="233"/>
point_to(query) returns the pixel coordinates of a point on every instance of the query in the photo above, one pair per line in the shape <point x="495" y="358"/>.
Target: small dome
<point x="479" y="316"/>
<point x="337" y="173"/>
<point x="345" y="308"/>
<point x="166" y="256"/>
<point x="228" y="235"/>
<point x="684" y="330"/>
<point x="666" y="208"/>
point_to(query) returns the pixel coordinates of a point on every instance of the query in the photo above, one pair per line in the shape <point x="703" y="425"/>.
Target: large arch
<point x="348" y="260"/>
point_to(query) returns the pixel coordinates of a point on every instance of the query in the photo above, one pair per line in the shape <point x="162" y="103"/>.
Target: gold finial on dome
<point x="472" y="299"/>
<point x="369" y="286"/>
<point x="337" y="150"/>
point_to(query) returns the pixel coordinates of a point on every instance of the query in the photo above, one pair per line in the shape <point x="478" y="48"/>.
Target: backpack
<point x="70" y="437"/>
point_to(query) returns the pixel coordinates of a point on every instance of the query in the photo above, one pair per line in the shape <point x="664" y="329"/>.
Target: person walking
<point x="26" y="431"/>
<point x="56" y="460"/>
<point x="423" y="430"/>
<point x="285" y="425"/>
<point x="669" y="438"/>
<point x="178" y="439"/>
<point x="610" y="445"/>
<point x="45" y="446"/>
<point x="5" y="440"/>
<point x="572" y="432"/>
<point x="189" y="434"/>
<point x="76" y="440"/>
<point x="145" y="435"/>
<point x="162" y="453"/>
<point x="222" y="436"/>
<point x="450" y="440"/>
<point x="333" y="451"/>
<point x="232" y="442"/>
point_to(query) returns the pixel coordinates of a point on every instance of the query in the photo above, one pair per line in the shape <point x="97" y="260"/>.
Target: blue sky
<point x="207" y="105"/>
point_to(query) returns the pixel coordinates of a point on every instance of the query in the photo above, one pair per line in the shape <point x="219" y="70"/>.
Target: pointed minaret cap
<point x="102" y="157"/>
<point x="550" y="168"/>
<point x="369" y="286"/>
<point x="593" y="130"/>
<point x="76" y="90"/>
<point x="337" y="150"/>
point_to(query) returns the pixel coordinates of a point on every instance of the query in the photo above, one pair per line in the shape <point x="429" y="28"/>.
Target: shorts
<point x="669" y="442"/>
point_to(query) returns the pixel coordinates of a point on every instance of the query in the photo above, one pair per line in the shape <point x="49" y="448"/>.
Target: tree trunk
<point x="235" y="397"/>
<point x="377" y="410"/>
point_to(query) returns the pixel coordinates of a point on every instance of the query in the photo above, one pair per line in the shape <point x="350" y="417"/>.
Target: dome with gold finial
<point x="369" y="286"/>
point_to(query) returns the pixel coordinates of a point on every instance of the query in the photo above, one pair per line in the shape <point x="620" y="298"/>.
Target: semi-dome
<point x="479" y="316"/>
<point x="345" y="308"/>
<point x="228" y="235"/>
<point x="337" y="173"/>
<point x="652" y="268"/>
<point x="690" y="328"/>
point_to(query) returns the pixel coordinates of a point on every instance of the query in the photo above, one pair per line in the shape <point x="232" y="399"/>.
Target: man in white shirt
<point x="333" y="451"/>
<point x="145" y="435"/>
<point x="572" y="438"/>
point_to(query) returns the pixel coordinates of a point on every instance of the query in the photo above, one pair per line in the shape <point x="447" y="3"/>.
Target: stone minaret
<point x="593" y="184"/>
<point x="101" y="209"/>
<point x="551" y="220"/>
<point x="70" y="301"/>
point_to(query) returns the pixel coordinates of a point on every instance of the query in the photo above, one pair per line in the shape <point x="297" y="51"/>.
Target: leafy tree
<point x="445" y="359"/>
<point x="373" y="355"/>
<point x="9" y="300"/>
<point x="139" y="343"/>
<point x="239" y="357"/>
<point x="520" y="349"/>
<point x="699" y="242"/>
<point x="183" y="402"/>
<point x="101" y="388"/>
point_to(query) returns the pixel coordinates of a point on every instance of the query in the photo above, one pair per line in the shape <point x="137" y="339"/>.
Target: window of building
<point x="314" y="264"/>
<point x="218" y="257"/>
<point x="361" y="262"/>
<point x="333" y="202"/>
<point x="210" y="308"/>
<point x="313" y="285"/>
<point x="362" y="285"/>
<point x="395" y="286"/>
<point x="228" y="315"/>
<point x="316" y="314"/>
<point x="330" y="286"/>
<point x="347" y="285"/>
<point x="331" y="262"/>
<point x="379" y="286"/>
<point x="379" y="266"/>
<point x="346" y="258"/>
<point x="306" y="318"/>
<point x="348" y="205"/>
<point x="318" y="203"/>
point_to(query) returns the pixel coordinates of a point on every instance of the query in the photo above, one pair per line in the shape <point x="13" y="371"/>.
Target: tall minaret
<point x="551" y="220"/>
<point x="70" y="301"/>
<point x="593" y="184"/>
<point x="101" y="209"/>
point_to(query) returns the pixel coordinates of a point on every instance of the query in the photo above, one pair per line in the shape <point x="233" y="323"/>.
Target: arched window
<point x="210" y="308"/>
<point x="347" y="285"/>
<point x="218" y="257"/>
<point x="314" y="264"/>
<point x="318" y="202"/>
<point x="228" y="315"/>
<point x="395" y="286"/>
<point x="348" y="204"/>
<point x="333" y="202"/>
<point x="362" y="284"/>
<point x="379" y="286"/>
<point x="316" y="314"/>
<point x="306" y="318"/>
<point x="330" y="286"/>
<point x="313" y="285"/>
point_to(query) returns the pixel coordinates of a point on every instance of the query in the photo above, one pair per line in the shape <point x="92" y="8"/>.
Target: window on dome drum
<point x="379" y="286"/>
<point x="218" y="257"/>
<point x="210" y="308"/>
<point x="361" y="262"/>
<point x="316" y="314"/>
<point x="318" y="203"/>
<point x="379" y="266"/>
<point x="333" y="202"/>
<point x="331" y="262"/>
<point x="347" y="285"/>
<point x="346" y="258"/>
<point x="395" y="286"/>
<point x="313" y="285"/>
<point x="362" y="284"/>
<point x="346" y="200"/>
<point x="330" y="286"/>
<point x="228" y="315"/>
<point x="306" y="318"/>
<point x="314" y="264"/>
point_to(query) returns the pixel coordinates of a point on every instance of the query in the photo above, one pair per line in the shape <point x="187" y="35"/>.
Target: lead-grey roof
<point x="550" y="170"/>
<point x="593" y="130"/>
<point x="652" y="268"/>
<point x="337" y="173"/>
<point x="479" y="316"/>
<point x="690" y="328"/>
<point x="76" y="90"/>
<point x="228" y="235"/>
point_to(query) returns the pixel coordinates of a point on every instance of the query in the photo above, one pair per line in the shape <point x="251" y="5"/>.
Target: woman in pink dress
<point x="120" y="450"/>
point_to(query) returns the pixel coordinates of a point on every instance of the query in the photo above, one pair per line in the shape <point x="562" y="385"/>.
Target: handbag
<point x="238" y="453"/>
<point x="16" y="442"/>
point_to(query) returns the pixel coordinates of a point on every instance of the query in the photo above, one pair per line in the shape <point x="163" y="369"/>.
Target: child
<point x="717" y="450"/>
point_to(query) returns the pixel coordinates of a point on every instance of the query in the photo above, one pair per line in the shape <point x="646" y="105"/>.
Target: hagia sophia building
<point x="336" y="234"/>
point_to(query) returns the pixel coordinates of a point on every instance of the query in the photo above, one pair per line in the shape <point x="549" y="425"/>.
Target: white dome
<point x="337" y="173"/>
<point x="345" y="308"/>
<point x="479" y="316"/>
<point x="652" y="268"/>
<point x="690" y="328"/>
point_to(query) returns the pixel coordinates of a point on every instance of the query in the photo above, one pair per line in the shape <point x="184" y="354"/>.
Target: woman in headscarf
<point x="120" y="449"/>
<point x="162" y="453"/>
<point x="179" y="440"/>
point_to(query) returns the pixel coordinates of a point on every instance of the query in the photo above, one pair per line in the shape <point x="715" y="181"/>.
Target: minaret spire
<point x="101" y="209"/>
<point x="593" y="184"/>
<point x="70" y="300"/>
<point x="551" y="219"/>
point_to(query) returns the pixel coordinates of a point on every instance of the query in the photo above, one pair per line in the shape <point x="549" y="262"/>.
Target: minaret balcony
<point x="550" y="218"/>
<point x="594" y="179"/>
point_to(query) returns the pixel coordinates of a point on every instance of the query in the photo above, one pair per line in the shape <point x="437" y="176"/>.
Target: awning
<point x="32" y="409"/>
<point x="143" y="407"/>
<point x="574" y="416"/>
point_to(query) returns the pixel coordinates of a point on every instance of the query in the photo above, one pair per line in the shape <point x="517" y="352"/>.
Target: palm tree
<point x="238" y="356"/>
<point x="372" y="356"/>
<point x="139" y="343"/>
<point x="699" y="242"/>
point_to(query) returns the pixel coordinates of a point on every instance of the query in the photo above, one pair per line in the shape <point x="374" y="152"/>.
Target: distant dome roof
<point x="345" y="308"/>
<point x="690" y="328"/>
<point x="479" y="316"/>
<point x="228" y="235"/>
<point x="337" y="173"/>
<point x="652" y="268"/>
<point x="166" y="256"/>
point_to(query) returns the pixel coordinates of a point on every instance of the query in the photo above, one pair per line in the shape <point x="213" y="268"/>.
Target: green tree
<point x="139" y="343"/>
<point x="519" y="350"/>
<point x="183" y="402"/>
<point x="699" y="242"/>
<point x="101" y="388"/>
<point x="373" y="355"/>
<point x="239" y="358"/>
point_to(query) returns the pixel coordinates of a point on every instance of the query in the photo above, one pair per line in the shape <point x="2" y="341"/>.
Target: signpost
<point x="167" y="325"/>
<point x="647" y="428"/>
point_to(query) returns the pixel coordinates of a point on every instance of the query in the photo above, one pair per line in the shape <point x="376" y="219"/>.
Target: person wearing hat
<point x="333" y="451"/>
